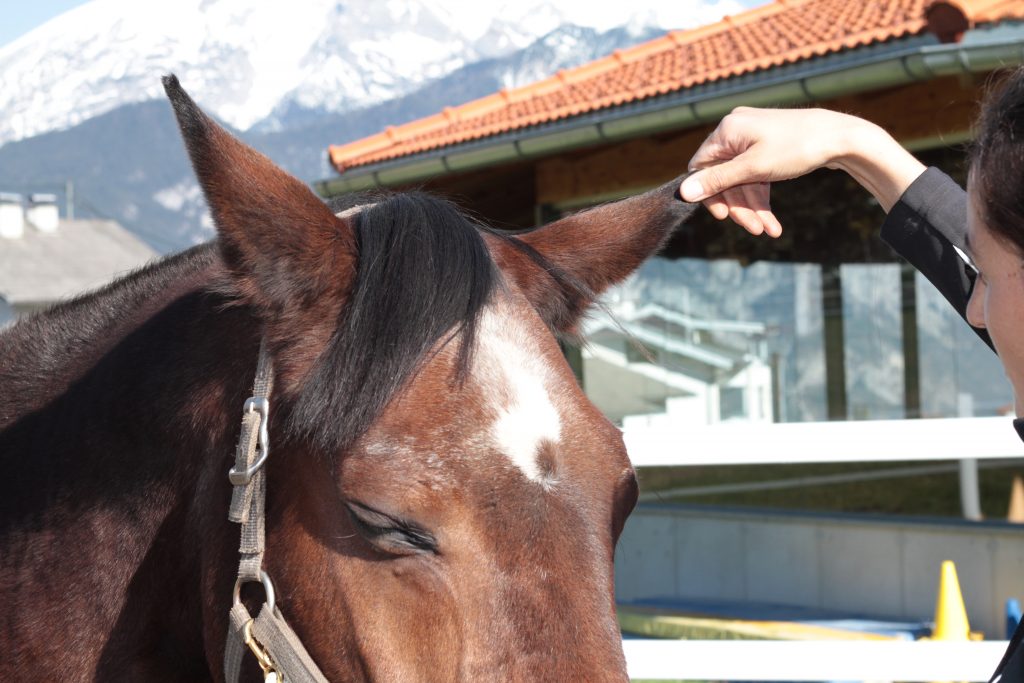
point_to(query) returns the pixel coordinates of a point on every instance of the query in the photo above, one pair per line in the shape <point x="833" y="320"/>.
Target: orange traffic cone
<point x="1016" y="511"/>
<point x="950" y="613"/>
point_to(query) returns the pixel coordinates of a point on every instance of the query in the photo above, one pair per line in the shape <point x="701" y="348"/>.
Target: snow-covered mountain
<point x="251" y="62"/>
<point x="81" y="101"/>
<point x="129" y="164"/>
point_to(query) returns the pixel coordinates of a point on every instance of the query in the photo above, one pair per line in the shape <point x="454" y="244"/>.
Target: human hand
<point x="751" y="148"/>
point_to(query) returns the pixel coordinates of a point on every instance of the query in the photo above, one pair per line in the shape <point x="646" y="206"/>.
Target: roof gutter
<point x="863" y="69"/>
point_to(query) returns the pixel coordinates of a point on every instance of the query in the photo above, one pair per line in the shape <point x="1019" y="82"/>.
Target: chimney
<point x="12" y="216"/>
<point x="947" y="20"/>
<point x="42" y="212"/>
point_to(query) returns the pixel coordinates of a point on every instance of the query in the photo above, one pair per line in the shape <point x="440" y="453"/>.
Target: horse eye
<point x="389" y="534"/>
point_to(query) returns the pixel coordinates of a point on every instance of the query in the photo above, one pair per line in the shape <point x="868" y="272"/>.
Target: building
<point x="642" y="366"/>
<point x="44" y="259"/>
<point x="852" y="333"/>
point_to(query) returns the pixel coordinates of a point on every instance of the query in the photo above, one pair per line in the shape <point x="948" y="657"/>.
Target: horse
<point x="442" y="500"/>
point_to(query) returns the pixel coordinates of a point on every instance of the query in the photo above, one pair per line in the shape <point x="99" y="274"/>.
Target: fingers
<point x="757" y="199"/>
<point x="692" y="190"/>
<point x="712" y="151"/>
<point x="748" y="206"/>
<point x="713" y="180"/>
<point x="717" y="207"/>
<point x="772" y="226"/>
<point x="742" y="212"/>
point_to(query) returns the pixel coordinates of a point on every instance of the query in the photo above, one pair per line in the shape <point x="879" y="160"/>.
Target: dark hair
<point x="424" y="275"/>
<point x="996" y="158"/>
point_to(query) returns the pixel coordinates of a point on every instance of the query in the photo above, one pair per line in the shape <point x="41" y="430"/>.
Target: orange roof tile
<point x="781" y="32"/>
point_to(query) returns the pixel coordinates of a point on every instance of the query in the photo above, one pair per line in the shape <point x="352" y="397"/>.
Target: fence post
<point x="970" y="498"/>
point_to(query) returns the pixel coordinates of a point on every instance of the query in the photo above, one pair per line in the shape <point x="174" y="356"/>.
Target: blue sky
<point x="22" y="16"/>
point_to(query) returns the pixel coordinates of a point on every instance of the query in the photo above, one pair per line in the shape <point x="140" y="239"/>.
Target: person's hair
<point x="996" y="159"/>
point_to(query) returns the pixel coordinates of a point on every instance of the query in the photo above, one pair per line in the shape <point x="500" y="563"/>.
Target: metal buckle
<point x="263" y="658"/>
<point x="261" y="406"/>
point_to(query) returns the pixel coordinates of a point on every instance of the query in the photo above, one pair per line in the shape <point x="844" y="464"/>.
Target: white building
<point x="44" y="259"/>
<point x="645" y="365"/>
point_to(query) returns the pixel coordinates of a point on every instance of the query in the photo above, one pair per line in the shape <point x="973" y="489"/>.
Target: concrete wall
<point x="870" y="566"/>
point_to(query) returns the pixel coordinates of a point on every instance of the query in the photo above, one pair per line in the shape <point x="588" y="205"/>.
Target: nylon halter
<point x="277" y="648"/>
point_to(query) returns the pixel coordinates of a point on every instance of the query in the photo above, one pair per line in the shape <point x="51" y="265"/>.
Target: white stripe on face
<point x="516" y="377"/>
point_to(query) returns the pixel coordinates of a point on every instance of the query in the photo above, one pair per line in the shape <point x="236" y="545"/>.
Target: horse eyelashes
<point x="389" y="534"/>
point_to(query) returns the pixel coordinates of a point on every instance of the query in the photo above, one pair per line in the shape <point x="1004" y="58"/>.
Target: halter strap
<point x="277" y="648"/>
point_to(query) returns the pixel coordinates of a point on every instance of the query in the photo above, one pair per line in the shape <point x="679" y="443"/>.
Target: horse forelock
<point x="424" y="275"/>
<point x="426" y="278"/>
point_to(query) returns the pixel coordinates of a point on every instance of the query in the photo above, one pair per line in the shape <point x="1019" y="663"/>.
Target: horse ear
<point x="581" y="255"/>
<point x="289" y="254"/>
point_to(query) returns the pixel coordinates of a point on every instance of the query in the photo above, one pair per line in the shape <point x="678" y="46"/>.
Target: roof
<point x="780" y="33"/>
<point x="41" y="267"/>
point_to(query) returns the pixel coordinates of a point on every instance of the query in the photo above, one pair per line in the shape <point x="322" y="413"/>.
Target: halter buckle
<point x="261" y="406"/>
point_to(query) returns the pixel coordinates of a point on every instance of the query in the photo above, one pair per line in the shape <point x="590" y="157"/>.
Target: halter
<point x="277" y="648"/>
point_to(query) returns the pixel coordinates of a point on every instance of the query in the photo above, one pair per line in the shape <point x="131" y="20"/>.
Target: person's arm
<point x="924" y="226"/>
<point x="752" y="148"/>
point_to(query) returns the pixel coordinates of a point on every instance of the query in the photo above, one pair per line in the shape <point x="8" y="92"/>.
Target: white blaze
<point x="517" y="378"/>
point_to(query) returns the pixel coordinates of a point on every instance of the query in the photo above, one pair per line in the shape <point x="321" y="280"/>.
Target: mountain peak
<point x="244" y="59"/>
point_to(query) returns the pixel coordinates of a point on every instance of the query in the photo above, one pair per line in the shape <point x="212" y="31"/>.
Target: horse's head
<point x="444" y="501"/>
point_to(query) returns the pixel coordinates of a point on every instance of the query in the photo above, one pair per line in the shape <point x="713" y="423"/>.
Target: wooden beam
<point x="932" y="111"/>
<point x="834" y="341"/>
<point x="911" y="356"/>
<point x="502" y="195"/>
<point x="617" y="170"/>
<point x="920" y="115"/>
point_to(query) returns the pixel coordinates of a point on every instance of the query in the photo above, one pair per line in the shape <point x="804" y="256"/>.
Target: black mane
<point x="424" y="272"/>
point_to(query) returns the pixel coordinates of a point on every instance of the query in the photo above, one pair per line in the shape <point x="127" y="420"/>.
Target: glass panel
<point x="960" y="376"/>
<point x="701" y="341"/>
<point x="824" y="323"/>
<point x="873" y="341"/>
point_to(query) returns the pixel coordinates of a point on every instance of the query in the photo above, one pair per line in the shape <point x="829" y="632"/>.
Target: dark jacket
<point x="924" y="226"/>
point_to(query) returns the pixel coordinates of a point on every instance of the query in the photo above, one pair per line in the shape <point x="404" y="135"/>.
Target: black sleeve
<point x="924" y="226"/>
<point x="1011" y="668"/>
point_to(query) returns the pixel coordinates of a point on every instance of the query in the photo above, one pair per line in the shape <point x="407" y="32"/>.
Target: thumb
<point x="711" y="181"/>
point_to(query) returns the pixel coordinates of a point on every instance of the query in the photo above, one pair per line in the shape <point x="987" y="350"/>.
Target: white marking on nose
<point x="517" y="378"/>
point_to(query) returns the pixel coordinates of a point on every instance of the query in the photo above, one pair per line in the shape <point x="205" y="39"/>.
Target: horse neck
<point x="115" y="445"/>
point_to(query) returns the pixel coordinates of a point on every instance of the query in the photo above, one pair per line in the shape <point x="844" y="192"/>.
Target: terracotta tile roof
<point x="981" y="11"/>
<point x="781" y="32"/>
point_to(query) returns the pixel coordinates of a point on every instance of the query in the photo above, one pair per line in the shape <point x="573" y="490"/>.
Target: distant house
<point x="44" y="259"/>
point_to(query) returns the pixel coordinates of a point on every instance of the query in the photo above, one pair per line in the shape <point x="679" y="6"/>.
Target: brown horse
<point x="443" y="501"/>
